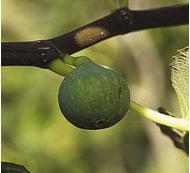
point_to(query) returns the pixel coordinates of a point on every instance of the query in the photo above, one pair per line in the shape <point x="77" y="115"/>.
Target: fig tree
<point x="93" y="97"/>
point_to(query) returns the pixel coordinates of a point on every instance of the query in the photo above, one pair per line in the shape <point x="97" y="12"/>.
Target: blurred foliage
<point x="34" y="132"/>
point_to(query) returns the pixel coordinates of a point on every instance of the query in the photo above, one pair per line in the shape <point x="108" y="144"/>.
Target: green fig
<point x="93" y="97"/>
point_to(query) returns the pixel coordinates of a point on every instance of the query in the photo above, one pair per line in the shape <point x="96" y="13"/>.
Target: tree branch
<point x="122" y="21"/>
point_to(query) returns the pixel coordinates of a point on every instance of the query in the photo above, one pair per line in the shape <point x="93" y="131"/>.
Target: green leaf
<point x="180" y="79"/>
<point x="7" y="167"/>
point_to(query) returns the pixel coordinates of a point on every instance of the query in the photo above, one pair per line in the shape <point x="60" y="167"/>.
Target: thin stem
<point x="177" y="123"/>
<point x="68" y="59"/>
<point x="59" y="67"/>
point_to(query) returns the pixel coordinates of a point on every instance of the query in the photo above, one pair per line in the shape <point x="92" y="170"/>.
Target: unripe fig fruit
<point x="94" y="97"/>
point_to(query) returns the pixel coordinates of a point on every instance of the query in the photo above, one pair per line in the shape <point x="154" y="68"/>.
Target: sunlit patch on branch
<point x="90" y="35"/>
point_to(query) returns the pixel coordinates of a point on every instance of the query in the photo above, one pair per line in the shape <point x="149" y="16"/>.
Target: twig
<point x="122" y="21"/>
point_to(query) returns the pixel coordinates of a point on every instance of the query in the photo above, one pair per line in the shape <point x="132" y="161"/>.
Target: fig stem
<point x="66" y="64"/>
<point x="177" y="123"/>
<point x="68" y="59"/>
<point x="60" y="68"/>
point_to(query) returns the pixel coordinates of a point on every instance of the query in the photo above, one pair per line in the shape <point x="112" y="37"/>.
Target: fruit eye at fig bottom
<point x="100" y="123"/>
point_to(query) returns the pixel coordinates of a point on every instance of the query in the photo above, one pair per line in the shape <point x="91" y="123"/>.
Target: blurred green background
<point x="35" y="133"/>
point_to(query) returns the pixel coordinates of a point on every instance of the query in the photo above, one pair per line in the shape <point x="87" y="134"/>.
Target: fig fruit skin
<point x="94" y="97"/>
